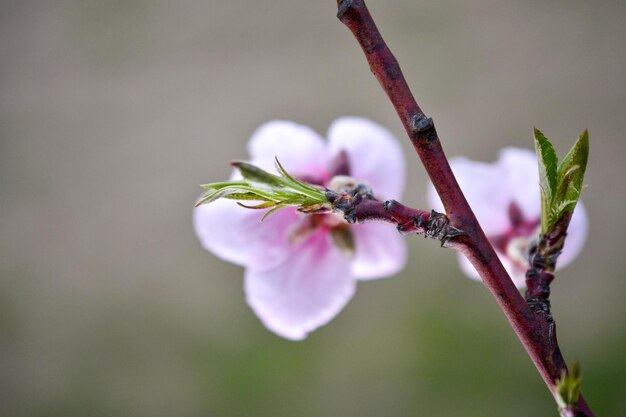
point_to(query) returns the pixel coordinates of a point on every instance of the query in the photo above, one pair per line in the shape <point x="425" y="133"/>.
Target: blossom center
<point x="336" y="226"/>
<point x="516" y="241"/>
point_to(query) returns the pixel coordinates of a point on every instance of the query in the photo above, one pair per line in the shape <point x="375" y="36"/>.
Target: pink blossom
<point x="505" y="197"/>
<point x="296" y="277"/>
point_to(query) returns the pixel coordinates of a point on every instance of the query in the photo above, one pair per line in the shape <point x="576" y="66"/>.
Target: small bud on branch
<point x="274" y="191"/>
<point x="568" y="390"/>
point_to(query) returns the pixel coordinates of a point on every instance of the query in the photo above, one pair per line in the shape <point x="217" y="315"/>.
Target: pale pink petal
<point x="380" y="251"/>
<point x="305" y="292"/>
<point x="576" y="236"/>
<point x="486" y="192"/>
<point x="521" y="174"/>
<point x="518" y="276"/>
<point x="298" y="148"/>
<point x="467" y="268"/>
<point x="236" y="234"/>
<point x="375" y="155"/>
<point x="434" y="202"/>
<point x="490" y="188"/>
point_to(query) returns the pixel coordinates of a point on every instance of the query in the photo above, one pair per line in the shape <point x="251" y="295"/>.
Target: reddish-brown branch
<point x="531" y="328"/>
<point x="359" y="205"/>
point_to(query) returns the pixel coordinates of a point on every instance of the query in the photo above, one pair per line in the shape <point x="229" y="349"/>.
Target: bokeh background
<point x="111" y="113"/>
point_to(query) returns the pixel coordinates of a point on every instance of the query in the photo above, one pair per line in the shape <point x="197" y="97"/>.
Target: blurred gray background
<point x="111" y="113"/>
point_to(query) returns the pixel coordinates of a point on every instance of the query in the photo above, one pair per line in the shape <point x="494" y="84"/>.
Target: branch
<point x="360" y="206"/>
<point x="542" y="258"/>
<point x="531" y="328"/>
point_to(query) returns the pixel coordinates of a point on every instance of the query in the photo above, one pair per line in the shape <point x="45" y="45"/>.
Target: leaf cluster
<point x="568" y="387"/>
<point x="561" y="183"/>
<point x="272" y="191"/>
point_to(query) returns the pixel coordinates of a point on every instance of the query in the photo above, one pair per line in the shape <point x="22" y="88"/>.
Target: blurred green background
<point x="112" y="112"/>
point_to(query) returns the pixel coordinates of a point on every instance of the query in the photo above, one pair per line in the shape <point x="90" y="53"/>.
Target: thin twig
<point x="360" y="206"/>
<point x="532" y="329"/>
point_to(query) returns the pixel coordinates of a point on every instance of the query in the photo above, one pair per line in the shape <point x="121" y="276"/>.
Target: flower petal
<point x="518" y="276"/>
<point x="298" y="148"/>
<point x="576" y="236"/>
<point x="303" y="293"/>
<point x="375" y="154"/>
<point x="486" y="192"/>
<point x="521" y="174"/>
<point x="380" y="251"/>
<point x="467" y="267"/>
<point x="490" y="188"/>
<point x="236" y="234"/>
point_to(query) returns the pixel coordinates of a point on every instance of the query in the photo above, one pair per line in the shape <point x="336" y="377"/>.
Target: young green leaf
<point x="568" y="387"/>
<point x="571" y="172"/>
<point x="301" y="186"/>
<point x="258" y="176"/>
<point x="238" y="192"/>
<point x="562" y="183"/>
<point x="264" y="205"/>
<point x="270" y="211"/>
<point x="548" y="163"/>
<point x="272" y="191"/>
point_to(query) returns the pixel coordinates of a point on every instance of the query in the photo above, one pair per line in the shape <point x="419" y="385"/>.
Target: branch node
<point x="405" y="228"/>
<point x="350" y="216"/>
<point x="541" y="306"/>
<point x="438" y="227"/>
<point x="343" y="6"/>
<point x="423" y="128"/>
